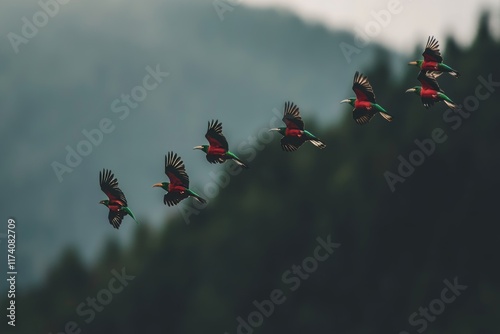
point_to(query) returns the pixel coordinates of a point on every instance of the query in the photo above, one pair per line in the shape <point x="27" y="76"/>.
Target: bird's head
<point x="104" y="202"/>
<point x="415" y="90"/>
<point x="163" y="185"/>
<point x="281" y="130"/>
<point x="350" y="101"/>
<point x="203" y="148"/>
<point x="417" y="63"/>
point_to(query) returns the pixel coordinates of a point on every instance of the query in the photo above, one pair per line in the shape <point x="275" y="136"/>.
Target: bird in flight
<point x="430" y="92"/>
<point x="433" y="61"/>
<point x="365" y="106"/>
<point x="116" y="202"/>
<point x="294" y="134"/>
<point x="178" y="187"/>
<point x="218" y="150"/>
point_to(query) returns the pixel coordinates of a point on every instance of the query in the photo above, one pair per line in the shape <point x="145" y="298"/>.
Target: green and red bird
<point x="218" y="150"/>
<point x="365" y="106"/>
<point x="433" y="61"/>
<point x="294" y="134"/>
<point x="178" y="187"/>
<point x="430" y="92"/>
<point x="116" y="202"/>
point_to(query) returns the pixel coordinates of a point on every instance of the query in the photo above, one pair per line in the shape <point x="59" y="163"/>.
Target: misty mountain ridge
<point x="65" y="79"/>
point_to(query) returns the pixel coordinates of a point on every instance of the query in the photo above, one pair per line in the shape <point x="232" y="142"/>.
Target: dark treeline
<point x="397" y="247"/>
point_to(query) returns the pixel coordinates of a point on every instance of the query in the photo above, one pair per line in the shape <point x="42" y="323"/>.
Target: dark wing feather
<point x="109" y="185"/>
<point x="172" y="198"/>
<point x="214" y="135"/>
<point x="427" y="102"/>
<point x="362" y="88"/>
<point x="291" y="116"/>
<point x="362" y="116"/>
<point x="290" y="144"/>
<point x="175" y="170"/>
<point x="214" y="159"/>
<point x="115" y="218"/>
<point x="431" y="52"/>
<point x="428" y="80"/>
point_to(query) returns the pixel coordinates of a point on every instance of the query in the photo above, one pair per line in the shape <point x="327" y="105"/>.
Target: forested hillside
<point x="396" y="247"/>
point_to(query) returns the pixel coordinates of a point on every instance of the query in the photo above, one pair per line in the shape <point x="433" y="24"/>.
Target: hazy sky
<point x="458" y="18"/>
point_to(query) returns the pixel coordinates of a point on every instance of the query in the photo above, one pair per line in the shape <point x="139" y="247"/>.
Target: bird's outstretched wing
<point x="291" y="116"/>
<point x="115" y="218"/>
<point x="427" y="102"/>
<point x="362" y="116"/>
<point x="428" y="80"/>
<point x="290" y="144"/>
<point x="214" y="159"/>
<point x="171" y="199"/>
<point x="109" y="185"/>
<point x="362" y="88"/>
<point x="214" y="135"/>
<point x="175" y="170"/>
<point x="431" y="52"/>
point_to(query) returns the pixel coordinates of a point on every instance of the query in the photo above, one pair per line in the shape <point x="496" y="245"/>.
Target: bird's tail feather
<point x="200" y="199"/>
<point x="434" y="74"/>
<point x="382" y="112"/>
<point x="318" y="143"/>
<point x="314" y="140"/>
<point x="237" y="160"/>
<point x="451" y="105"/>
<point x="197" y="197"/>
<point x="129" y="212"/>
<point x="451" y="71"/>
<point x="386" y="116"/>
<point x="241" y="163"/>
